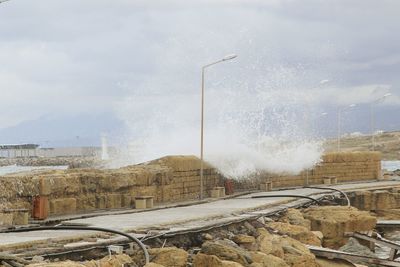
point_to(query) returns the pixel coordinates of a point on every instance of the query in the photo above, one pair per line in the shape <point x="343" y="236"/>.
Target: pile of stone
<point x="258" y="243"/>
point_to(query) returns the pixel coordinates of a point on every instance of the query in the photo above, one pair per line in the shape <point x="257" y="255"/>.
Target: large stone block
<point x="63" y="206"/>
<point x="334" y="221"/>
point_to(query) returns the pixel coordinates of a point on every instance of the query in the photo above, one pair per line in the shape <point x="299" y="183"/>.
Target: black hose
<point x="334" y="189"/>
<point x="64" y="227"/>
<point x="299" y="196"/>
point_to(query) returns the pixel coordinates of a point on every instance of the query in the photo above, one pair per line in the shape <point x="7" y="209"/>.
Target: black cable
<point x="329" y="188"/>
<point x="63" y="227"/>
<point x="299" y="196"/>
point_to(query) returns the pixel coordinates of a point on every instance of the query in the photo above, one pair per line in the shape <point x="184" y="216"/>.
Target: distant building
<point x="16" y="151"/>
<point x="33" y="150"/>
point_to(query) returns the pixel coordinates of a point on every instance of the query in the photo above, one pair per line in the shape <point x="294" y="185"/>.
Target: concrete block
<point x="215" y="193"/>
<point x="221" y="191"/>
<point x="6" y="219"/>
<point x="63" y="206"/>
<point x="144" y="202"/>
<point x="267" y="186"/>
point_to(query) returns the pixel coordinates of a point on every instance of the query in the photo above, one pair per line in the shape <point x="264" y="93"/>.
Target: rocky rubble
<point x="258" y="243"/>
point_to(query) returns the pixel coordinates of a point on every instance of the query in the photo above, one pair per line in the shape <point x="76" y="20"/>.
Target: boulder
<point x="296" y="254"/>
<point x="152" y="264"/>
<point x="268" y="243"/>
<point x="57" y="264"/>
<point x="300" y="233"/>
<point x="264" y="260"/>
<point x="227" y="251"/>
<point x="245" y="241"/>
<point x="295" y="217"/>
<point x="334" y="221"/>
<point x="204" y="260"/>
<point x="169" y="256"/>
<point x="113" y="261"/>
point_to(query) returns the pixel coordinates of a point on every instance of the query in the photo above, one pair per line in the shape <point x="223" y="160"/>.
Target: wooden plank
<point x="335" y="254"/>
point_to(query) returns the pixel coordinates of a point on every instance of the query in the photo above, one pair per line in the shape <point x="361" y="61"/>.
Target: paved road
<point x="179" y="215"/>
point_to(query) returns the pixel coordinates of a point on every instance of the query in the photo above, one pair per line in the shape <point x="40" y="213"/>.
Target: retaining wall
<point x="169" y="179"/>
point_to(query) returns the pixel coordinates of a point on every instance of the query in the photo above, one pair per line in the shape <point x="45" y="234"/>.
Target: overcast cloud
<point x="75" y="57"/>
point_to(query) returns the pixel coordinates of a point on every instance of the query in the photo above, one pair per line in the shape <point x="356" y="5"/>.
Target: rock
<point x="353" y="246"/>
<point x="334" y="221"/>
<point x="319" y="234"/>
<point x="113" y="261"/>
<point x="251" y="229"/>
<point x="57" y="264"/>
<point x="169" y="256"/>
<point x="296" y="254"/>
<point x="225" y="251"/>
<point x="37" y="259"/>
<point x="152" y="264"/>
<point x="265" y="260"/>
<point x="268" y="243"/>
<point x="295" y="217"/>
<point x="297" y="232"/>
<point x="207" y="236"/>
<point x="245" y="241"/>
<point x="204" y="260"/>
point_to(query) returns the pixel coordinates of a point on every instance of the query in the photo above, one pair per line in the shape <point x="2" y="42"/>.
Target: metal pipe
<point x="334" y="189"/>
<point x="63" y="227"/>
<point x="299" y="196"/>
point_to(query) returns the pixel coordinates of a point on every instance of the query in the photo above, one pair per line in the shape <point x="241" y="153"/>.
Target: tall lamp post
<point x="306" y="182"/>
<point x="339" y="123"/>
<point x="226" y="58"/>
<point x="382" y="98"/>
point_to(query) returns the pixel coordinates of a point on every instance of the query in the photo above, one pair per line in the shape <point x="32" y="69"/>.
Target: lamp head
<point x="229" y="57"/>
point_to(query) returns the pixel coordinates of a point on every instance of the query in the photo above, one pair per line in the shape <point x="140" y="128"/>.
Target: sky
<point x="73" y="70"/>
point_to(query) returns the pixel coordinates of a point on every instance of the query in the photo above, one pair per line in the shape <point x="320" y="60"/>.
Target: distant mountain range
<point x="58" y="131"/>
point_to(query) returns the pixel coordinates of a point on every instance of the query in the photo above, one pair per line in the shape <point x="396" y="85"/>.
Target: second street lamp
<point x="226" y="58"/>
<point x="339" y="123"/>
<point x="373" y="117"/>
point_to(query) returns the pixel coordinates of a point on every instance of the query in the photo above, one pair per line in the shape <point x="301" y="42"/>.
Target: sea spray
<point x="247" y="129"/>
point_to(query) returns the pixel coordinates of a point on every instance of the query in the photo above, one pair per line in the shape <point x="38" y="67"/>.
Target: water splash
<point x="247" y="128"/>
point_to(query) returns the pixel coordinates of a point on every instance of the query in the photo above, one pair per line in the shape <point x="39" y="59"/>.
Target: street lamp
<point x="372" y="118"/>
<point x="1" y="1"/>
<point x="339" y="122"/>
<point x="226" y="58"/>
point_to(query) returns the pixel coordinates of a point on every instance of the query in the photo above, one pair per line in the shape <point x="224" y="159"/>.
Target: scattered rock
<point x="225" y="251"/>
<point x="300" y="233"/>
<point x="268" y="243"/>
<point x="152" y="264"/>
<point x="204" y="260"/>
<point x="113" y="261"/>
<point x="207" y="236"/>
<point x="265" y="260"/>
<point x="169" y="256"/>
<point x="295" y="217"/>
<point x="296" y="254"/>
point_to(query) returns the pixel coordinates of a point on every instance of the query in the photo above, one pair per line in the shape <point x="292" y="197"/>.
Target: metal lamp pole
<point x="373" y="117"/>
<point x="226" y="58"/>
<point x="339" y="123"/>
